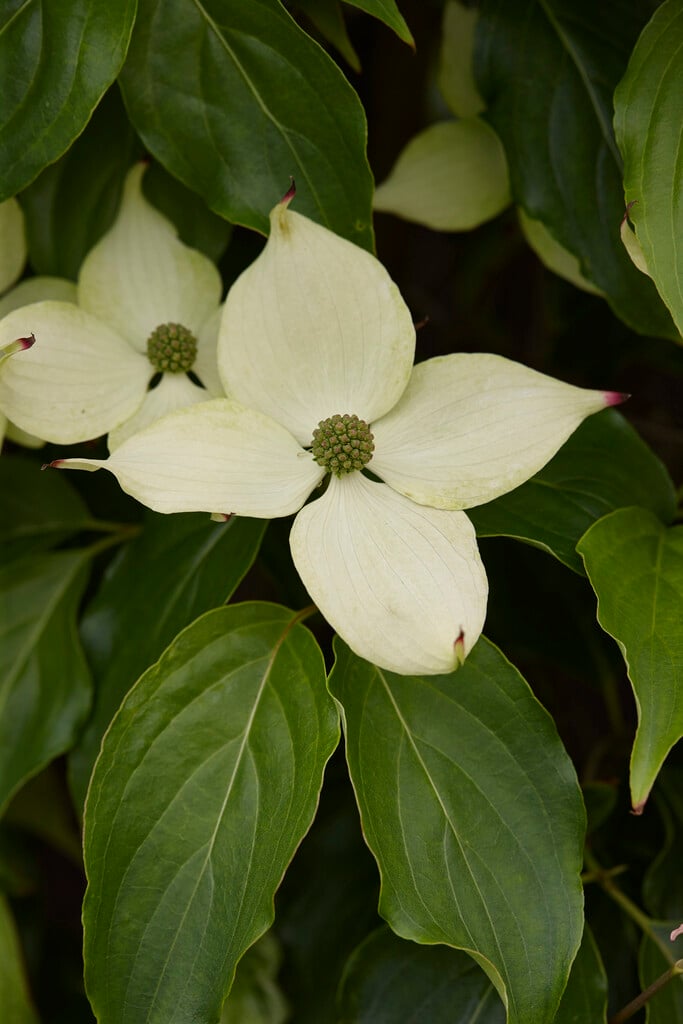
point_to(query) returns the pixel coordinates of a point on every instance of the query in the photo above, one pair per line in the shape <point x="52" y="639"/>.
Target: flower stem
<point x="636" y="1004"/>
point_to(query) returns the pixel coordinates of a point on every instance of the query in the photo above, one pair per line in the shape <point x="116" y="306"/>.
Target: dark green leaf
<point x="208" y="779"/>
<point x="44" y="681"/>
<point x="556" y="126"/>
<point x="635" y="566"/>
<point x="663" y="883"/>
<point x="72" y="203"/>
<point x="56" y="61"/>
<point x="38" y="510"/>
<point x="273" y="105"/>
<point x="656" y="956"/>
<point x="603" y="466"/>
<point x="465" y="791"/>
<point x="648" y="105"/>
<point x="15" y="1000"/>
<point x="178" y="568"/>
<point x="391" y="981"/>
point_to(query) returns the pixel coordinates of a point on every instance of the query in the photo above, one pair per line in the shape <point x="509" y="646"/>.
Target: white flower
<point x="90" y="371"/>
<point x="313" y="330"/>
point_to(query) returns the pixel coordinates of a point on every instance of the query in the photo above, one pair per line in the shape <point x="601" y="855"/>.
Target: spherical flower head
<point x="172" y="348"/>
<point x="342" y="444"/>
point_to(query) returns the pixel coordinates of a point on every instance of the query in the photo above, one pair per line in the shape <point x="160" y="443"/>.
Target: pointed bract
<point x="77" y="382"/>
<point x="315" y="326"/>
<point x="139" y="275"/>
<point x="471" y="427"/>
<point x="403" y="585"/>
<point x="216" y="456"/>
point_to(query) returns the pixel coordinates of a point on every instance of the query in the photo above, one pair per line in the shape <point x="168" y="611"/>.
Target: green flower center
<point x="171" y="348"/>
<point x="342" y="444"/>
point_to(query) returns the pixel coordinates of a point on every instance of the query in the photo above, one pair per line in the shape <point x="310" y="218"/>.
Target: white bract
<point x="314" y="334"/>
<point x="90" y="370"/>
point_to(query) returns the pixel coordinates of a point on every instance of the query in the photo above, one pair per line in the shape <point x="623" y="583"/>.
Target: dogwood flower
<point x="146" y="304"/>
<point x="316" y="353"/>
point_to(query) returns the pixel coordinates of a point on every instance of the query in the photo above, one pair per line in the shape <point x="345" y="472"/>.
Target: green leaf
<point x="14" y="995"/>
<point x="38" y="510"/>
<point x="208" y="779"/>
<point x="603" y="466"/>
<point x="556" y="126"/>
<point x="635" y="566"/>
<point x="657" y="954"/>
<point x="178" y="568"/>
<point x="388" y="12"/>
<point x="56" y="61"/>
<point x="451" y="177"/>
<point x="465" y="791"/>
<point x="255" y="997"/>
<point x="73" y="202"/>
<point x="663" y="882"/>
<point x="273" y="104"/>
<point x="389" y="981"/>
<point x="44" y="681"/>
<point x="648" y="104"/>
<point x="585" y="997"/>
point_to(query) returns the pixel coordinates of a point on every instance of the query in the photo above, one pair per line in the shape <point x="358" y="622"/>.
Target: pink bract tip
<point x="676" y="932"/>
<point x="638" y="809"/>
<point x="27" y="342"/>
<point x="52" y="465"/>
<point x="289" y="194"/>
<point x="615" y="397"/>
<point x="459" y="647"/>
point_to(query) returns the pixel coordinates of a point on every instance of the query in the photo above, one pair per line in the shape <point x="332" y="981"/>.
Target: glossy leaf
<point x="74" y="201"/>
<point x="389" y="981"/>
<point x="208" y="779"/>
<point x="44" y="681"/>
<point x="57" y="60"/>
<point x="274" y="106"/>
<point x="15" y="1000"/>
<point x="635" y="566"/>
<point x="648" y="104"/>
<point x="657" y="953"/>
<point x="663" y="882"/>
<point x="556" y="126"/>
<point x="179" y="567"/>
<point x="451" y="177"/>
<point x="603" y="466"/>
<point x="38" y="510"/>
<point x="465" y="790"/>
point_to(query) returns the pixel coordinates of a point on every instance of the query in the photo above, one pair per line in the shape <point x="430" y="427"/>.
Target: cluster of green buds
<point x="171" y="348"/>
<point x="342" y="444"/>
